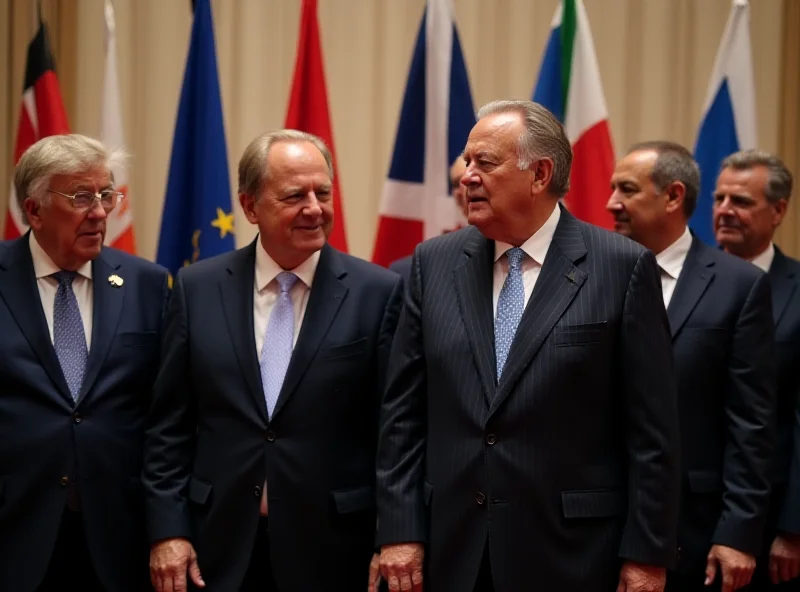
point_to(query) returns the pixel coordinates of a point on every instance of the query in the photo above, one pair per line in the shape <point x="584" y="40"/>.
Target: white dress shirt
<point x="671" y="261"/>
<point x="535" y="248"/>
<point x="764" y="260"/>
<point x="44" y="268"/>
<point x="265" y="297"/>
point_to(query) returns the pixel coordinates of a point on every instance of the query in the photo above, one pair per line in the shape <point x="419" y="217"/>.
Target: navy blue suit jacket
<point x="211" y="444"/>
<point x="402" y="267"/>
<point x="44" y="433"/>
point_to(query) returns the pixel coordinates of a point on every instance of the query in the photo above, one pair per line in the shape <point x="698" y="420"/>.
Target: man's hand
<point x="400" y="566"/>
<point x="737" y="567"/>
<point x="784" y="558"/>
<point x="374" y="573"/>
<point x="636" y="577"/>
<point x="169" y="561"/>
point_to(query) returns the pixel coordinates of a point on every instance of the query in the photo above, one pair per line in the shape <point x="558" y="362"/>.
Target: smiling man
<point x="80" y="326"/>
<point x="260" y="460"/>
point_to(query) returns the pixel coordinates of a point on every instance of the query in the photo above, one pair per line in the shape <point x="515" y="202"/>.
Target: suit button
<point x="76" y="417"/>
<point x="480" y="498"/>
<point x="257" y="491"/>
<point x="64" y="481"/>
<point x="270" y="436"/>
<point x="490" y="439"/>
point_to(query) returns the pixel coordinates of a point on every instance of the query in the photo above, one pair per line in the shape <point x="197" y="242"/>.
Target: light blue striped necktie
<point x="510" y="306"/>
<point x="276" y="353"/>
<point x="69" y="337"/>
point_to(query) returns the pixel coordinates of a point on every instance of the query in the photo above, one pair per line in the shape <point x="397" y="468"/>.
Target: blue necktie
<point x="69" y="338"/>
<point x="510" y="307"/>
<point x="277" y="349"/>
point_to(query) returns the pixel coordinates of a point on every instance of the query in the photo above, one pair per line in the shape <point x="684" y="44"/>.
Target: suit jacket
<point x="570" y="461"/>
<point x="784" y="276"/>
<point x="402" y="267"/>
<point x="722" y="334"/>
<point x="211" y="445"/>
<point x="44" y="433"/>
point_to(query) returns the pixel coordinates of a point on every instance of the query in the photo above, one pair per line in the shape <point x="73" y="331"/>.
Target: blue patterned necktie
<point x="69" y="338"/>
<point x="277" y="349"/>
<point x="510" y="307"/>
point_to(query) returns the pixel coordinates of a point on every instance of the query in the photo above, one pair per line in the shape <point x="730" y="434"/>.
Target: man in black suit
<point x="751" y="199"/>
<point x="260" y="457"/>
<point x="535" y="447"/>
<point x="459" y="195"/>
<point x="721" y="323"/>
<point x="80" y="325"/>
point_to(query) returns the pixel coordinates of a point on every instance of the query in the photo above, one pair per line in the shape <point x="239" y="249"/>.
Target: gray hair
<point x="779" y="179"/>
<point x="544" y="137"/>
<point x="673" y="163"/>
<point x="63" y="154"/>
<point x="253" y="170"/>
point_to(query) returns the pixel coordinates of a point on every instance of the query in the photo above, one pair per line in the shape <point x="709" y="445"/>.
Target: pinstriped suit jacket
<point x="570" y="462"/>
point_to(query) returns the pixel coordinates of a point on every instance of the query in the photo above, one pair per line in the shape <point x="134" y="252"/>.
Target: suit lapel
<point x="783" y="284"/>
<point x="473" y="281"/>
<point x="693" y="281"/>
<point x="107" y="308"/>
<point x="19" y="290"/>
<point x="236" y="292"/>
<point x="326" y="298"/>
<point x="557" y="285"/>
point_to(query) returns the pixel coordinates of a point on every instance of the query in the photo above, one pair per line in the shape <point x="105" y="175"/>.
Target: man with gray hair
<point x="260" y="457"/>
<point x="721" y="323"/>
<point x="529" y="431"/>
<point x="750" y="201"/>
<point x="79" y="339"/>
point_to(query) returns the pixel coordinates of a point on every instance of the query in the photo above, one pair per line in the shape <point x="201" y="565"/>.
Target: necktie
<point x="510" y="307"/>
<point x="277" y="349"/>
<point x="69" y="339"/>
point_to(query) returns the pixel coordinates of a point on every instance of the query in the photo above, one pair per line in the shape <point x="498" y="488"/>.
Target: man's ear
<point x="33" y="211"/>
<point x="542" y="170"/>
<point x="248" y="203"/>
<point x="676" y="194"/>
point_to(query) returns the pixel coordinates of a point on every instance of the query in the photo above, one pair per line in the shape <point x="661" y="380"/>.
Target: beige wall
<point x="655" y="58"/>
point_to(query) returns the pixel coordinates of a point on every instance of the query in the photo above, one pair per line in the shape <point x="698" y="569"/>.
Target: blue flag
<point x="198" y="217"/>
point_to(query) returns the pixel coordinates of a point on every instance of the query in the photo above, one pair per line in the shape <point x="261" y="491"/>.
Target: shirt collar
<point x="43" y="265"/>
<point x="672" y="258"/>
<point x="267" y="269"/>
<point x="764" y="260"/>
<point x="537" y="245"/>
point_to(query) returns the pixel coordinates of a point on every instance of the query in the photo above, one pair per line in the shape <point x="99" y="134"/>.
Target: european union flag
<point x="198" y="217"/>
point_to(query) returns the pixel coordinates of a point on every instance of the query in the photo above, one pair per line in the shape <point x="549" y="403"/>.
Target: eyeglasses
<point x="83" y="200"/>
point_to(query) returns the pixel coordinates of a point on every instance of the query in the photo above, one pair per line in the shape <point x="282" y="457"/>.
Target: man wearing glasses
<point x="80" y="326"/>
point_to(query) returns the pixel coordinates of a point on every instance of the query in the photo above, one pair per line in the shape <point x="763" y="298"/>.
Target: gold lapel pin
<point x="115" y="280"/>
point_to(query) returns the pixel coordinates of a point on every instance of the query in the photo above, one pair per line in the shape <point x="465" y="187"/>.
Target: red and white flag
<point x="41" y="114"/>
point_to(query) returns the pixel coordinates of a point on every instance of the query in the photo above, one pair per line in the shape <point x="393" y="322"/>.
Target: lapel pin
<point x="115" y="280"/>
<point x="571" y="276"/>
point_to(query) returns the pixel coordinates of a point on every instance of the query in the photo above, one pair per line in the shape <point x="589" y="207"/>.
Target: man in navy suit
<point x="80" y="326"/>
<point x="459" y="194"/>
<point x="722" y="336"/>
<point x="260" y="457"/>
<point x="529" y="431"/>
<point x="750" y="201"/>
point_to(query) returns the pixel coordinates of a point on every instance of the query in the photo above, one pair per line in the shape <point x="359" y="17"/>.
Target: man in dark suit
<point x="721" y="322"/>
<point x="459" y="195"/>
<point x="260" y="458"/>
<point x="535" y="447"/>
<point x="78" y="357"/>
<point x="751" y="199"/>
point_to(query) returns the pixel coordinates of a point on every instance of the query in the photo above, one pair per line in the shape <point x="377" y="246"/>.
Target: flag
<point x="569" y="86"/>
<point x="729" y="115"/>
<point x="435" y="120"/>
<point x="119" y="226"/>
<point x="41" y="114"/>
<point x="197" y="222"/>
<point x="308" y="105"/>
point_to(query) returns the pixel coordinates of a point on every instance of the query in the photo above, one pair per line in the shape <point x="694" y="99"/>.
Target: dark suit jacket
<point x="722" y="334"/>
<point x="566" y="465"/>
<point x="784" y="275"/>
<point x="211" y="446"/>
<point x="402" y="267"/>
<point x="43" y="433"/>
